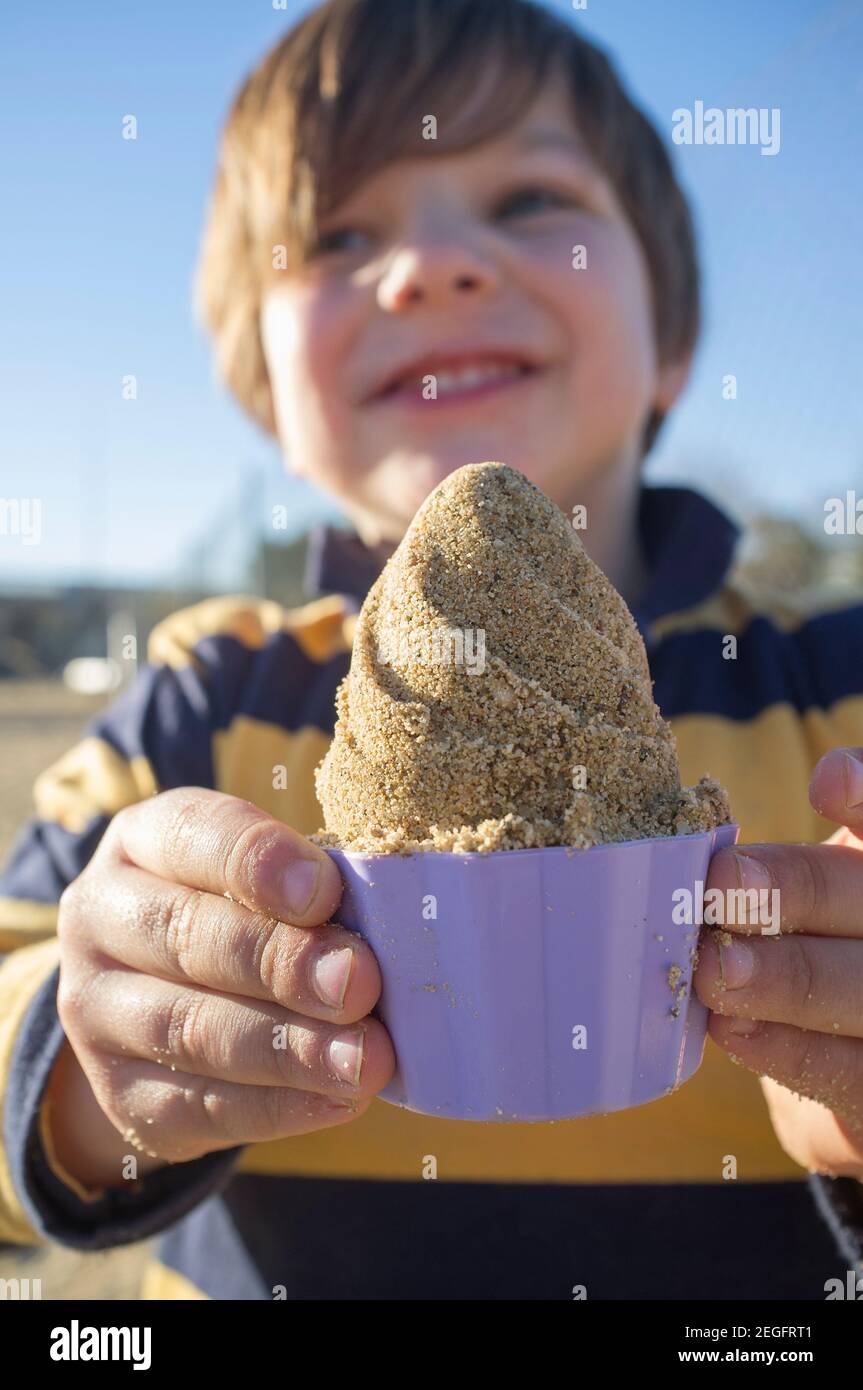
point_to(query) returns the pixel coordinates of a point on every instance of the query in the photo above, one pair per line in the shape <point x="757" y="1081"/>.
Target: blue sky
<point x="100" y="235"/>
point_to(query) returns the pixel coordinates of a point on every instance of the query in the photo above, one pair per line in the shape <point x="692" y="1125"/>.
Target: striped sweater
<point x="630" y="1205"/>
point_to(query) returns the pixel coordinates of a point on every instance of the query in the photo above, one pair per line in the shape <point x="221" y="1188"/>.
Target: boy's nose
<point x="435" y="273"/>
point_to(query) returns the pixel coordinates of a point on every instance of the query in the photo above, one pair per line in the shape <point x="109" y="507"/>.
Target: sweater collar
<point x="688" y="544"/>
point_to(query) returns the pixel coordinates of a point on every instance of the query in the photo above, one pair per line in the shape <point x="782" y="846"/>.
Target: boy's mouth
<point x="453" y="378"/>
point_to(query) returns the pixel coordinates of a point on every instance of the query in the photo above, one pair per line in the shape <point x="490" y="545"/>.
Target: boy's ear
<point x="671" y="379"/>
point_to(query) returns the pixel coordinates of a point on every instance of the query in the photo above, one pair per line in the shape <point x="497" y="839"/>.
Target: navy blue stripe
<point x="689" y="545"/>
<point x="278" y="684"/>
<point x="830" y="649"/>
<point x="813" y="667"/>
<point x="840" y="1202"/>
<point x="45" y="858"/>
<point x="163" y="716"/>
<point x="325" y="1238"/>
<point x="337" y="561"/>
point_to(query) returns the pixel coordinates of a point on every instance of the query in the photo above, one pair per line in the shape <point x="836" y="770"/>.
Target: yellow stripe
<point x="323" y="628"/>
<point x="839" y="725"/>
<point x="765" y="763"/>
<point x="91" y="779"/>
<point x="349" y="628"/>
<point x="317" y="626"/>
<point x="23" y="922"/>
<point x="250" y="756"/>
<point x="684" y="1137"/>
<point x="164" y="1284"/>
<point x="21" y="976"/>
<point x="250" y="620"/>
<point x="732" y="608"/>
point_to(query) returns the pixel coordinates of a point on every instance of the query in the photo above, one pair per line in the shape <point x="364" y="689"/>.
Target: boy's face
<point x="465" y="255"/>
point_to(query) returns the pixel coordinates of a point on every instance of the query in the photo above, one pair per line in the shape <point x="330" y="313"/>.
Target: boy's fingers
<point x="180" y="1117"/>
<point x="836" y="787"/>
<point x="187" y="936"/>
<point x="828" y="1070"/>
<point x="802" y="980"/>
<point x="222" y="844"/>
<point x="201" y="1033"/>
<point x="820" y="889"/>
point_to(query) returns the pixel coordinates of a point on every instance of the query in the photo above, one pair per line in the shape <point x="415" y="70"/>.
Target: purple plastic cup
<point x="534" y="984"/>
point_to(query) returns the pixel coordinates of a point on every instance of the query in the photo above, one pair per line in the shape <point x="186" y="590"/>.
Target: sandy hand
<point x="204" y="991"/>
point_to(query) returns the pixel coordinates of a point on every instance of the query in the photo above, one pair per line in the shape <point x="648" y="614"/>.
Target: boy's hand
<point x="201" y="1007"/>
<point x="806" y="984"/>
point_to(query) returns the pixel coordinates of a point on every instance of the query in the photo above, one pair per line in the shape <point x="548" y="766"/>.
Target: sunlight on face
<point x="470" y="253"/>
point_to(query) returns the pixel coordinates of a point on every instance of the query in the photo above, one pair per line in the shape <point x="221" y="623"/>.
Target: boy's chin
<point x="403" y="484"/>
<point x="412" y="480"/>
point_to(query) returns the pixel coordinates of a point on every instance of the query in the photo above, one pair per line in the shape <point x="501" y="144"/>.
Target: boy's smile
<point x="459" y="375"/>
<point x="448" y="316"/>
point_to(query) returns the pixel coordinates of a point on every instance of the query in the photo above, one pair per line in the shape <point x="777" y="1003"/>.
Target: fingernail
<point x="299" y="882"/>
<point x="345" y="1056"/>
<point x="853" y="769"/>
<point x="751" y="873"/>
<point x="737" y="963"/>
<point x="332" y="973"/>
<point x="744" y="1027"/>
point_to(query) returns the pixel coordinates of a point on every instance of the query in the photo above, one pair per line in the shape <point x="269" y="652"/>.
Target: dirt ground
<point x="39" y="720"/>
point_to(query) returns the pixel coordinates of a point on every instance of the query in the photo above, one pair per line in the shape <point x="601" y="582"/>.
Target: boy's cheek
<point x="305" y="333"/>
<point x="614" y="289"/>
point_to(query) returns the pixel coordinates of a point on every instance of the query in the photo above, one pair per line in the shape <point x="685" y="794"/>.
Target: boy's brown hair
<point x="345" y="92"/>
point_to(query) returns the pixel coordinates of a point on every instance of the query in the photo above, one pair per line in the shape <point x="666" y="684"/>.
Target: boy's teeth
<point x="462" y="378"/>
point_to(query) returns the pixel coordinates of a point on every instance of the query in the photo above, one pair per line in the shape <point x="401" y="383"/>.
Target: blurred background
<point x="115" y="511"/>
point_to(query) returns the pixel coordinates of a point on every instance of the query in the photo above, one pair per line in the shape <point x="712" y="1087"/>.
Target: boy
<point x="349" y="258"/>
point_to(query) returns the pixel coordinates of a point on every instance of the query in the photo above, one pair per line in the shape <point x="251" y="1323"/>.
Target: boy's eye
<point x="335" y="240"/>
<point x="521" y="200"/>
